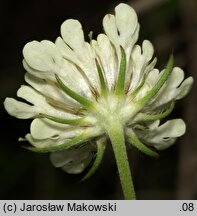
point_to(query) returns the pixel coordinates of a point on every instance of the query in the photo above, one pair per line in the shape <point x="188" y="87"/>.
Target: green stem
<point x="116" y="134"/>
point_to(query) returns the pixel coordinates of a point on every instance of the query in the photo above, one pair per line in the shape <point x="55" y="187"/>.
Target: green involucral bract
<point x="82" y="96"/>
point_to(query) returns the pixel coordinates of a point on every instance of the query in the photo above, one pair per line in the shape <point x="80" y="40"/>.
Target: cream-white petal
<point x="106" y="54"/>
<point x="150" y="81"/>
<point x="136" y="66"/>
<point x="126" y="21"/>
<point x="68" y="72"/>
<point x="39" y="101"/>
<point x="30" y="95"/>
<point x="166" y="143"/>
<point x="165" y="135"/>
<point x="148" y="50"/>
<point x="185" y="88"/>
<point x="41" y="55"/>
<point x="109" y="24"/>
<point x="50" y="90"/>
<point x="173" y="89"/>
<point x="172" y="128"/>
<point x="47" y="88"/>
<point x="73" y="160"/>
<point x="79" y="52"/>
<point x="46" y="129"/>
<point x="45" y="132"/>
<point x="66" y="51"/>
<point x="152" y="77"/>
<point x="72" y="74"/>
<point x="41" y="143"/>
<point x="72" y="33"/>
<point x="41" y="129"/>
<point x="19" y="109"/>
<point x="175" y="78"/>
<point x="35" y="56"/>
<point x="150" y="66"/>
<point x="51" y="49"/>
<point x="121" y="27"/>
<point x="47" y="52"/>
<point x="37" y="73"/>
<point x="39" y="105"/>
<point x="140" y="63"/>
<point x="74" y="79"/>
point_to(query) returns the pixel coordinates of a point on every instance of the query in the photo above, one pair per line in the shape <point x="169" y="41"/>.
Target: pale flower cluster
<point x="76" y="89"/>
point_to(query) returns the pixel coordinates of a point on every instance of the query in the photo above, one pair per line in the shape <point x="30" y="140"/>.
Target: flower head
<point x="79" y="94"/>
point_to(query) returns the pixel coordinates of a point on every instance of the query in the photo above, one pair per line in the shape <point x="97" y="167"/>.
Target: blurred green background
<point x="171" y="25"/>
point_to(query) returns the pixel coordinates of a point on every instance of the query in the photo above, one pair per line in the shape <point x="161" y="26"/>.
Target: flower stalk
<point x="115" y="132"/>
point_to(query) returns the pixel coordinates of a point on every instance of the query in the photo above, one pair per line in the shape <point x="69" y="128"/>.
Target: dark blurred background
<point x="170" y="25"/>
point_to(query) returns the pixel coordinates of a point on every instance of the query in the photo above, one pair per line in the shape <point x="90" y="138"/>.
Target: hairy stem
<point x="116" y="134"/>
